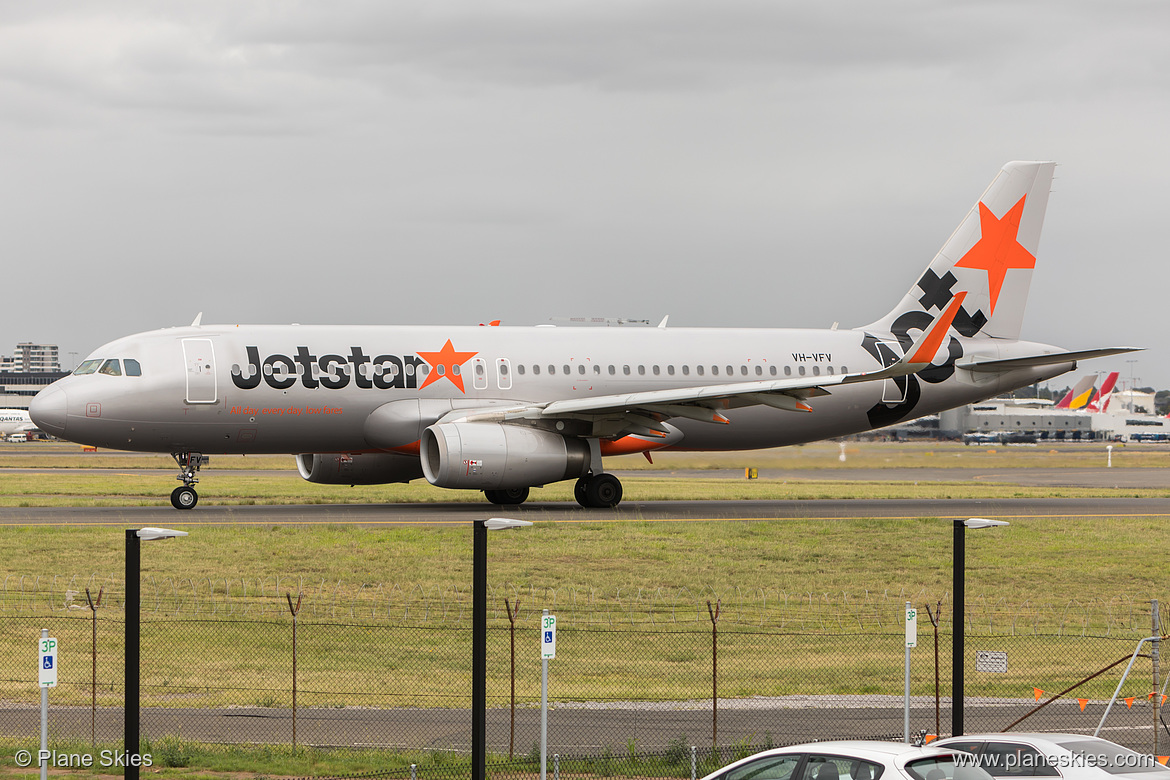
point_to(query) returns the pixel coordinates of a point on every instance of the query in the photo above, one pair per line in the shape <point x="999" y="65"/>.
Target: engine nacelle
<point x="365" y="468"/>
<point x="489" y="456"/>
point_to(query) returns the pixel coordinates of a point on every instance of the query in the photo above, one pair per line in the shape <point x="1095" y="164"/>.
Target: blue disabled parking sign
<point x="48" y="670"/>
<point x="548" y="637"/>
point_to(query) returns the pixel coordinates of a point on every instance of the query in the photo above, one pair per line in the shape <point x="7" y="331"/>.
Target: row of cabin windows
<point x="670" y="370"/>
<point x="379" y="369"/>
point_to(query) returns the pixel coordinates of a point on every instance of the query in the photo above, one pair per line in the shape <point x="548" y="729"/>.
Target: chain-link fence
<point x="637" y="674"/>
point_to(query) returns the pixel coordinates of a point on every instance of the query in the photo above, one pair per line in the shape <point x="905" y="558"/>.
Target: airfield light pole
<point x="958" y="573"/>
<point x="130" y="720"/>
<point x="479" y="640"/>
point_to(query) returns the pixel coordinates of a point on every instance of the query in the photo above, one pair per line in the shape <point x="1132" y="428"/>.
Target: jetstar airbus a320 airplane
<point x="505" y="409"/>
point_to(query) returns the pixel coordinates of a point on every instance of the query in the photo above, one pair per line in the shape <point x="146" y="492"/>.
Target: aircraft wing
<point x="642" y="413"/>
<point x="1049" y="359"/>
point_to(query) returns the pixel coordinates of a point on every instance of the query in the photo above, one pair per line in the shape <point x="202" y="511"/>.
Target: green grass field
<point x="794" y="587"/>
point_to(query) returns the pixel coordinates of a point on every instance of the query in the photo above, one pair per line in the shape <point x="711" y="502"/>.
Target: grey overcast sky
<point x="726" y="163"/>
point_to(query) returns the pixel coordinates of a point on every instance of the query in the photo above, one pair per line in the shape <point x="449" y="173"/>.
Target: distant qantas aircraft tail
<point x="990" y="256"/>
<point x="1101" y="402"/>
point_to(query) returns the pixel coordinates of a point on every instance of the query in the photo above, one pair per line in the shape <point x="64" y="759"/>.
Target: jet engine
<point x="367" y="468"/>
<point x="489" y="456"/>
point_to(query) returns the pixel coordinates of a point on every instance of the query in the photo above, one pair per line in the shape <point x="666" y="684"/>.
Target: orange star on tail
<point x="997" y="250"/>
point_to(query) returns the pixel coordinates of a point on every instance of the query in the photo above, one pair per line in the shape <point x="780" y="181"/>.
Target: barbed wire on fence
<point x="237" y="596"/>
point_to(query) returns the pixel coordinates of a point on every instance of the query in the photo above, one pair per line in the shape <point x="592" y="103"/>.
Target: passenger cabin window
<point x="760" y="371"/>
<point x="88" y="367"/>
<point x="111" y="368"/>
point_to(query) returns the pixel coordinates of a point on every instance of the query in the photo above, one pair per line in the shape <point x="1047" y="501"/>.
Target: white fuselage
<point x="301" y="388"/>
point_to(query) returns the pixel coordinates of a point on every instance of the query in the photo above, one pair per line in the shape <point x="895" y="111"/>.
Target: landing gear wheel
<point x="184" y="497"/>
<point x="579" y="491"/>
<point x="603" y="491"/>
<point x="507" y="496"/>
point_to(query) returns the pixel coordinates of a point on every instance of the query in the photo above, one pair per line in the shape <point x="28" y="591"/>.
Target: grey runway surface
<point x="536" y="510"/>
<point x="416" y="514"/>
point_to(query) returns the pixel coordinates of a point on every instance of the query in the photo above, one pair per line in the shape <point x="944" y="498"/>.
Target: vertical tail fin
<point x="1101" y="402"/>
<point x="990" y="256"/>
<point x="1078" y="397"/>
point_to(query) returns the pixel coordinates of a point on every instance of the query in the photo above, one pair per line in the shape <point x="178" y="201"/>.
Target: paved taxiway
<point x="566" y="512"/>
<point x="536" y="510"/>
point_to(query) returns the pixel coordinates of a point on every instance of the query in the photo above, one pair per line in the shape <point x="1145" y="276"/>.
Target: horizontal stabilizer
<point x="1050" y="359"/>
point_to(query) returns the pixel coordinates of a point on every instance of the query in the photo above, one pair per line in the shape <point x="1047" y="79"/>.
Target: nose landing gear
<point x="185" y="497"/>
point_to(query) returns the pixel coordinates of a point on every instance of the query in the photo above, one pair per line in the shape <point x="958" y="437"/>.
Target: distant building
<point x="1010" y="419"/>
<point x="36" y="358"/>
<point x="17" y="388"/>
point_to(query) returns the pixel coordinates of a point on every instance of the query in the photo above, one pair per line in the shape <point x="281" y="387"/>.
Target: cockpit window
<point x="88" y="367"/>
<point x="111" y="367"/>
<point x="132" y="367"/>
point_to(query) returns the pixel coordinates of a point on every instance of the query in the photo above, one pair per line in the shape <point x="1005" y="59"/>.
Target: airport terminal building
<point x="30" y="369"/>
<point x="1015" y="420"/>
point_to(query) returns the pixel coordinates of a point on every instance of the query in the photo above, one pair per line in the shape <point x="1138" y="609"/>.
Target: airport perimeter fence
<point x="639" y="676"/>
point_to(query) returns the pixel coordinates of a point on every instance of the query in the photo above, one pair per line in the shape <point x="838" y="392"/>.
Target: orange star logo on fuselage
<point x="448" y="360"/>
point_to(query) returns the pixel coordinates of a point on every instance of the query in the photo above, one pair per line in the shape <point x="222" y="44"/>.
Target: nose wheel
<point x="189" y="463"/>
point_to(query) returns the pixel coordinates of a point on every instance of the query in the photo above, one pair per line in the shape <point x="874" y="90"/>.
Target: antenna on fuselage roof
<point x="198" y="320"/>
<point x="607" y="321"/>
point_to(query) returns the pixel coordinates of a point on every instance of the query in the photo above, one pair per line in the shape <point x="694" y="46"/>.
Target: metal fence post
<point x="556" y="766"/>
<point x="93" y="677"/>
<point x="714" y="671"/>
<point x="512" y="613"/>
<point x="694" y="763"/>
<point x="934" y="620"/>
<point x="294" y="611"/>
<point x="414" y="772"/>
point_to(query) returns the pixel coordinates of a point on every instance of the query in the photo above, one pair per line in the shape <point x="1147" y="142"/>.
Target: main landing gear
<point x="185" y="497"/>
<point x="507" y="497"/>
<point x="600" y="491"/>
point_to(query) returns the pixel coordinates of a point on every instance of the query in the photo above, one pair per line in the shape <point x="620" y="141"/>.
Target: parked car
<point x="853" y="760"/>
<point x="1072" y="756"/>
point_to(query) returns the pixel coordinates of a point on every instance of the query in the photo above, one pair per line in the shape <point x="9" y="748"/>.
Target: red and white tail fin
<point x="990" y="257"/>
<point x="1101" y="402"/>
<point x="1078" y="397"/>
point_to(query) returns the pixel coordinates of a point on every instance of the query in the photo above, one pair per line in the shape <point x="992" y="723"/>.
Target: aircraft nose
<point x="47" y="409"/>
